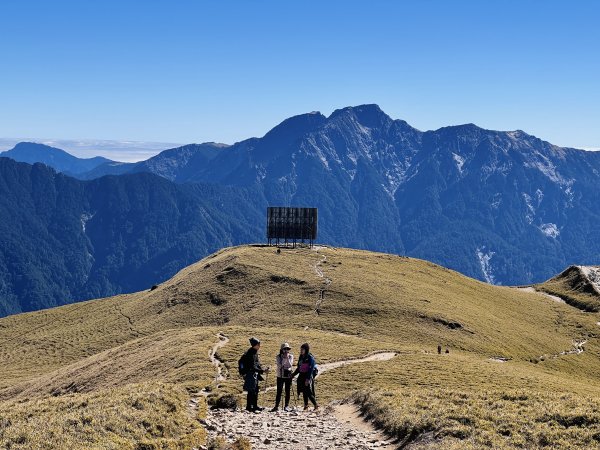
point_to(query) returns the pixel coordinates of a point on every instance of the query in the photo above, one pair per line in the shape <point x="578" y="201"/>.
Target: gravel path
<point x="535" y="291"/>
<point x="334" y="428"/>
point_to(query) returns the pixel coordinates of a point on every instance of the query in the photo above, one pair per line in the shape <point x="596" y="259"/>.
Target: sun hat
<point x="285" y="345"/>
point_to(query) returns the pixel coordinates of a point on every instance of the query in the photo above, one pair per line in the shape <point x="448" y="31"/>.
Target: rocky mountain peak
<point x="295" y="126"/>
<point x="369" y="116"/>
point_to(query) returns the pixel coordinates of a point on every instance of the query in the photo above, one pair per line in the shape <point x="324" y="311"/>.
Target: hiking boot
<point x="275" y="409"/>
<point x="258" y="408"/>
<point x="305" y="408"/>
<point x="316" y="408"/>
<point x="287" y="409"/>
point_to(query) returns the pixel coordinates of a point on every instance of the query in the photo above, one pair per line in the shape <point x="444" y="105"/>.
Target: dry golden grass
<point x="103" y="348"/>
<point x="459" y="419"/>
<point x="173" y="356"/>
<point x="220" y="443"/>
<point x="138" y="417"/>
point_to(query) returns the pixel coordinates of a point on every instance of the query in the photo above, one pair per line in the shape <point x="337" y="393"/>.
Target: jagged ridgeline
<point x="503" y="207"/>
<point x="120" y="372"/>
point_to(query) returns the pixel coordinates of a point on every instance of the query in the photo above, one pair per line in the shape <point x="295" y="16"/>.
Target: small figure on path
<point x="251" y="369"/>
<point x="285" y="362"/>
<point x="307" y="371"/>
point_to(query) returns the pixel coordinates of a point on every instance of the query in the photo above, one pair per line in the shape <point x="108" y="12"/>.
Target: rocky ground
<point x="335" y="427"/>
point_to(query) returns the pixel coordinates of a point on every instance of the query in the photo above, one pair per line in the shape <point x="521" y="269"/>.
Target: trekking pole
<point x="266" y="382"/>
<point x="293" y="388"/>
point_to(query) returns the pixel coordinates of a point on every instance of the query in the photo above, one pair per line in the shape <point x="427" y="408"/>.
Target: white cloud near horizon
<point x="124" y="151"/>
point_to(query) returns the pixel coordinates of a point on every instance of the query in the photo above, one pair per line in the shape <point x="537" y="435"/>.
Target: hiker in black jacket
<point x="251" y="369"/>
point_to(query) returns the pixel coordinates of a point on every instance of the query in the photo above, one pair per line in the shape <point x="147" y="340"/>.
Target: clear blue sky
<point x="193" y="71"/>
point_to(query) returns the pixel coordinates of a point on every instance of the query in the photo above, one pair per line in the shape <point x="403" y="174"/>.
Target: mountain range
<point x="502" y="206"/>
<point x="60" y="160"/>
<point x="64" y="240"/>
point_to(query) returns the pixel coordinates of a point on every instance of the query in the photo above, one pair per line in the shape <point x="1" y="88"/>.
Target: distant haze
<point x="125" y="151"/>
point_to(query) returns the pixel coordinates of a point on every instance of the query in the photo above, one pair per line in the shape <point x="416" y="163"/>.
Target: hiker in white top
<point x="285" y="363"/>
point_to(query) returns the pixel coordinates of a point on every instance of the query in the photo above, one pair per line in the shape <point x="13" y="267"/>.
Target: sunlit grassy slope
<point x="573" y="286"/>
<point x="86" y="361"/>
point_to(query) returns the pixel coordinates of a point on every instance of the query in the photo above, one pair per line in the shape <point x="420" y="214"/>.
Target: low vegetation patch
<point x="453" y="419"/>
<point x="136" y="417"/>
<point x="448" y="323"/>
<point x="284" y="279"/>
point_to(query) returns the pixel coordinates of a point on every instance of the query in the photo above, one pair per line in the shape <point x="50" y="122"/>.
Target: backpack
<point x="316" y="368"/>
<point x="242" y="369"/>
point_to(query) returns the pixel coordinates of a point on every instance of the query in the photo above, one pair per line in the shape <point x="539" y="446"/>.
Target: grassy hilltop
<point x="117" y="372"/>
<point x="574" y="287"/>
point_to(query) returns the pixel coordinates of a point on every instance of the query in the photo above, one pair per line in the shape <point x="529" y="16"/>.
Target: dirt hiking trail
<point x="220" y="375"/>
<point x="535" y="291"/>
<point x="326" y="282"/>
<point x="334" y="426"/>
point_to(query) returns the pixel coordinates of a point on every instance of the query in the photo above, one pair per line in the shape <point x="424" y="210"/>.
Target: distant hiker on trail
<point x="285" y="362"/>
<point x="250" y="368"/>
<point x="307" y="371"/>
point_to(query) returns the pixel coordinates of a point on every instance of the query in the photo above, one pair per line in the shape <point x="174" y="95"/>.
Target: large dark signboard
<point x="289" y="225"/>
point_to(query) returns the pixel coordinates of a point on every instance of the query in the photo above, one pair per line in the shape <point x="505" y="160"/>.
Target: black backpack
<point x="242" y="367"/>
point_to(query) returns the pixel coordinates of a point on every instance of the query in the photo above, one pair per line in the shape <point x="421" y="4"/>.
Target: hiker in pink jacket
<point x="307" y="371"/>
